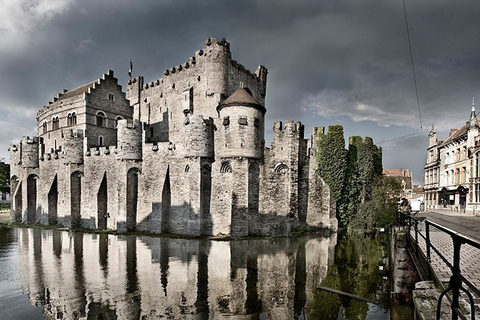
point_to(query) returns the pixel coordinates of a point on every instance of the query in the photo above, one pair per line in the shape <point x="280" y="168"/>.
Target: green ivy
<point x="4" y="177"/>
<point x="332" y="159"/>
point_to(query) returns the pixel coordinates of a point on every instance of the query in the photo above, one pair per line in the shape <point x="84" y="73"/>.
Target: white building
<point x="452" y="179"/>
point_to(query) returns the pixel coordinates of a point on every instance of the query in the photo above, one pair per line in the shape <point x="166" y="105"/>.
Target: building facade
<point x="404" y="179"/>
<point x="452" y="179"/>
<point x="183" y="154"/>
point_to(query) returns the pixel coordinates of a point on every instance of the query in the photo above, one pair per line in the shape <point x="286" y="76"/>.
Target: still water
<point x="62" y="275"/>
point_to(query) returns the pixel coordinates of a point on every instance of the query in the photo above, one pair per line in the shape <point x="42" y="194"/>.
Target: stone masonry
<point x="183" y="154"/>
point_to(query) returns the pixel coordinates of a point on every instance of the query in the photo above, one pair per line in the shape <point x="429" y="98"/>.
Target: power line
<point x="413" y="65"/>
<point x="398" y="138"/>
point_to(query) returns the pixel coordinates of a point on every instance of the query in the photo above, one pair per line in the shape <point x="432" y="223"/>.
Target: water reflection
<point x="74" y="275"/>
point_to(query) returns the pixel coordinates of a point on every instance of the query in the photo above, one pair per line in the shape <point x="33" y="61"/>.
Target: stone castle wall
<point x="184" y="154"/>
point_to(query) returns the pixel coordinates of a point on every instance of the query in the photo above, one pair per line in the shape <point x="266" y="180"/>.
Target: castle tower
<point x="242" y="126"/>
<point x="216" y="66"/>
<point x="129" y="140"/>
<point x="134" y="88"/>
<point x="73" y="146"/>
<point x="198" y="136"/>
<point x="29" y="152"/>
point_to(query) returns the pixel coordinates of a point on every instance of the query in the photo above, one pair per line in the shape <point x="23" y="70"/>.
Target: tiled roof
<point x="77" y="91"/>
<point x="458" y="133"/>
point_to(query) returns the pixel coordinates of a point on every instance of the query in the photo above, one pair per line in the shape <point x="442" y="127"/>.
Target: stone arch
<point x="132" y="198"/>
<point x="226" y="167"/>
<point x="253" y="190"/>
<point x="166" y="204"/>
<point x="76" y="198"/>
<point x="53" y="202"/>
<point x="281" y="168"/>
<point x="31" y="198"/>
<point x="16" y="188"/>
<point x="102" y="200"/>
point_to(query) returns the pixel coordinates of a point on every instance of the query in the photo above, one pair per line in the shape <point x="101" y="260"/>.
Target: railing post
<point x="427" y="235"/>
<point x="456" y="281"/>
<point x="416" y="237"/>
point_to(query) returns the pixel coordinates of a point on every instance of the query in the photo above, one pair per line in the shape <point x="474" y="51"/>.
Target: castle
<point x="184" y="154"/>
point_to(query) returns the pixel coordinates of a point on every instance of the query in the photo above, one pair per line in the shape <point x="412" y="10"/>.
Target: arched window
<point x="100" y="141"/>
<point x="44" y="127"/>
<point x="281" y="168"/>
<point x="55" y="123"/>
<point x="101" y="119"/>
<point x="74" y="119"/>
<point x="226" y="167"/>
<point x="117" y="118"/>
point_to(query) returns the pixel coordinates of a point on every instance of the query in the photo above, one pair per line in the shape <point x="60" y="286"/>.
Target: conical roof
<point x="241" y="97"/>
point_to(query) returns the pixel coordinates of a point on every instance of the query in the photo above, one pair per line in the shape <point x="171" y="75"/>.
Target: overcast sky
<point x="330" y="62"/>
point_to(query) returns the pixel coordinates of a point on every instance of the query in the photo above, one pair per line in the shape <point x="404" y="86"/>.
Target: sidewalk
<point x="463" y="224"/>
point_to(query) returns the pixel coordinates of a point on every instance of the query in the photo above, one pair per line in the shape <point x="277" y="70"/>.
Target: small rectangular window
<point x="111" y="97"/>
<point x="242" y="121"/>
<point x="226" y="121"/>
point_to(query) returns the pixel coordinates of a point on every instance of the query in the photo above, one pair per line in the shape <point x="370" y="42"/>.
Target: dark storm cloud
<point x="329" y="61"/>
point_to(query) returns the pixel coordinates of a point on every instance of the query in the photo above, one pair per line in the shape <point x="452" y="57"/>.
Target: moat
<point x="65" y="275"/>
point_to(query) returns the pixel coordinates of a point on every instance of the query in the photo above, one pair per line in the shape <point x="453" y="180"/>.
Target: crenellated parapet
<point x="129" y="140"/>
<point x="287" y="131"/>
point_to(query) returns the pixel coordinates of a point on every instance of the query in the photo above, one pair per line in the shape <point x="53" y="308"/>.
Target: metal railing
<point x="456" y="278"/>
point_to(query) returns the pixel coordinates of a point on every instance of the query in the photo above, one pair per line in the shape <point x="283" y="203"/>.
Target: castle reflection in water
<point x="76" y="275"/>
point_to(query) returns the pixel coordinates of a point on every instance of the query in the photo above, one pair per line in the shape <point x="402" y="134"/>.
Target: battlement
<point x="288" y="127"/>
<point x="28" y="140"/>
<point x="101" y="151"/>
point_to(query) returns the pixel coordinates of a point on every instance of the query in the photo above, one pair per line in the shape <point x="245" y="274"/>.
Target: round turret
<point x="29" y="152"/>
<point x="129" y="140"/>
<point x="242" y="126"/>
<point x="72" y="146"/>
<point x="198" y="137"/>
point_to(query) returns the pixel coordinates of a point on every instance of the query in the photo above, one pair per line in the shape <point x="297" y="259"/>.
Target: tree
<point x="348" y="203"/>
<point x="4" y="177"/>
<point x="364" y="165"/>
<point x="332" y="159"/>
<point x="381" y="209"/>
